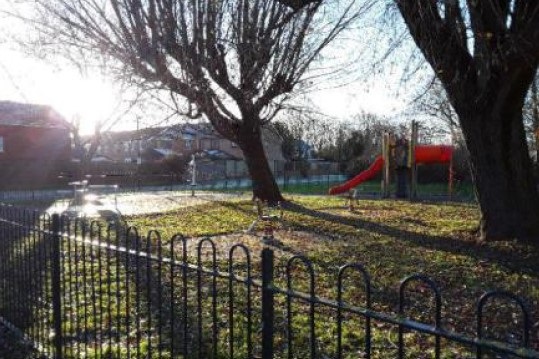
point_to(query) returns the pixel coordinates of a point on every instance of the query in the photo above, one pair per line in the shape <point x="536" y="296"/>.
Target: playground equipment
<point x="94" y="200"/>
<point x="193" y="171"/>
<point x="399" y="159"/>
<point x="269" y="215"/>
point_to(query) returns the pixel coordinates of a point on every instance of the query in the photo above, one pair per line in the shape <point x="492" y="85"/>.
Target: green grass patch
<point x="462" y="191"/>
<point x="115" y="303"/>
<point x="392" y="239"/>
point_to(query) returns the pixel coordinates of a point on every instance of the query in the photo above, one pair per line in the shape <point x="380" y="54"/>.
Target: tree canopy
<point x="234" y="62"/>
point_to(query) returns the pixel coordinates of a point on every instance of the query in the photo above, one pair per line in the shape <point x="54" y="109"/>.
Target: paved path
<point x="137" y="203"/>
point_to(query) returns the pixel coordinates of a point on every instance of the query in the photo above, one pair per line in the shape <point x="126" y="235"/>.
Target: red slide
<point x="423" y="154"/>
<point x="362" y="177"/>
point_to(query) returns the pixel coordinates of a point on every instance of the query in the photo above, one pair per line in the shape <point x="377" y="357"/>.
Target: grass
<point x="391" y="239"/>
<point x="461" y="190"/>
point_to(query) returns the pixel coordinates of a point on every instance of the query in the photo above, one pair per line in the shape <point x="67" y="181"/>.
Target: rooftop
<point x="30" y="115"/>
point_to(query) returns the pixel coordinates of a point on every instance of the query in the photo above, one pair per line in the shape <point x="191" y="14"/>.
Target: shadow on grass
<point x="516" y="257"/>
<point x="26" y="252"/>
<point x="512" y="255"/>
<point x="390" y="262"/>
<point x="124" y="297"/>
<point x="115" y="302"/>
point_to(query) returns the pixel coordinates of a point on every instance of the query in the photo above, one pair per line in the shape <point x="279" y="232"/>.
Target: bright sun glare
<point x="90" y="98"/>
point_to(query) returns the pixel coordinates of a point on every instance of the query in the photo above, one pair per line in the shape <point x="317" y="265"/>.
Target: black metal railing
<point x="78" y="288"/>
<point x="128" y="185"/>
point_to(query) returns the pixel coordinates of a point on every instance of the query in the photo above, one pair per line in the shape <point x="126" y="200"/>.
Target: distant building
<point x="218" y="157"/>
<point x="34" y="143"/>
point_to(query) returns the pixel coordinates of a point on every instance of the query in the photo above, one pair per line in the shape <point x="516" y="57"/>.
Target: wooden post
<point x="411" y="161"/>
<point x="351" y="200"/>
<point x="386" y="153"/>
<point x="451" y="169"/>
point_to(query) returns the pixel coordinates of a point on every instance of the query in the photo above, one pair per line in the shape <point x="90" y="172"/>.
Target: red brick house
<point x="34" y="143"/>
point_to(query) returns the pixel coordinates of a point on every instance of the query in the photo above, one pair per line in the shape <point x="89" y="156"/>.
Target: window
<point x="1" y="144"/>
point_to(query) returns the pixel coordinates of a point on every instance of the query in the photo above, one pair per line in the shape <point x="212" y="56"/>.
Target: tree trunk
<point x="264" y="185"/>
<point x="534" y="101"/>
<point x="501" y="168"/>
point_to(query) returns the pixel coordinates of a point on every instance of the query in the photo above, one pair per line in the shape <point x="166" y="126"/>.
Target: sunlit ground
<point x="136" y="203"/>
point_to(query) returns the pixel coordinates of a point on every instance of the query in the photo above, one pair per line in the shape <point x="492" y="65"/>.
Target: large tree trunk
<point x="534" y="92"/>
<point x="486" y="58"/>
<point x="264" y="185"/>
<point x="501" y="166"/>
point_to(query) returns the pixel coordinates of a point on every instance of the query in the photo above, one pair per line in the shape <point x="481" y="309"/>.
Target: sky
<point x="92" y="98"/>
<point x="27" y="80"/>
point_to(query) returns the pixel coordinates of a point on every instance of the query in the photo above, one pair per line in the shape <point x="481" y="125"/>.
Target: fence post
<point x="267" y="304"/>
<point x="56" y="287"/>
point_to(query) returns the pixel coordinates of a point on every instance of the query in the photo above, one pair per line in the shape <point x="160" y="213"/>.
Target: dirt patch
<point x="285" y="244"/>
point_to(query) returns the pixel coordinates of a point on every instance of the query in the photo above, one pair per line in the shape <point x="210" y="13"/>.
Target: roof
<point x="101" y="158"/>
<point x="216" y="155"/>
<point x="130" y="135"/>
<point x="30" y="115"/>
<point x="186" y="131"/>
<point x="158" y="153"/>
<point x="165" y="152"/>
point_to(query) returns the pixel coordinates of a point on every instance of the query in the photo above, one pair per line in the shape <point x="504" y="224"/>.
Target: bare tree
<point x="432" y="101"/>
<point x="486" y="54"/>
<point x="531" y="116"/>
<point x="234" y="61"/>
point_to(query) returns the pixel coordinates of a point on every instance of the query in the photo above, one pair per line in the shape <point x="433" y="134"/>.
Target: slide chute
<point x="425" y="154"/>
<point x="366" y="175"/>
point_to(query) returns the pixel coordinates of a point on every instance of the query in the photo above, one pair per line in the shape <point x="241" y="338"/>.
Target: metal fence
<point x="88" y="289"/>
<point x="294" y="184"/>
<point x="234" y="184"/>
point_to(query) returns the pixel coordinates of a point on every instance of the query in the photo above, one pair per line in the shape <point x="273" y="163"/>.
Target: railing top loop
<point x="132" y="230"/>
<point x="129" y="233"/>
<point x="502" y="294"/>
<point x="183" y="240"/>
<point x="153" y="235"/>
<point x="242" y="247"/>
<point x="366" y="279"/>
<point x="213" y="251"/>
<point x="310" y="270"/>
<point x="433" y="287"/>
